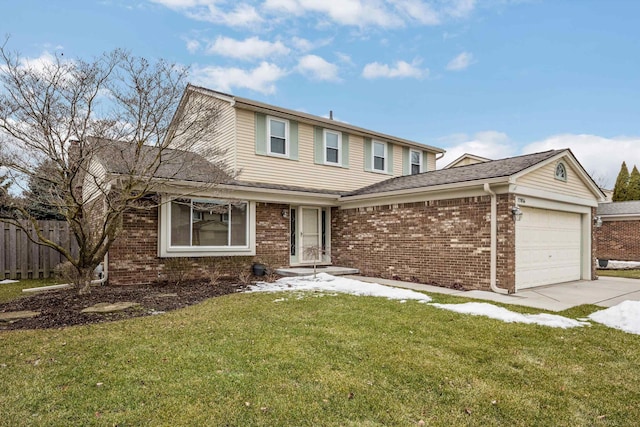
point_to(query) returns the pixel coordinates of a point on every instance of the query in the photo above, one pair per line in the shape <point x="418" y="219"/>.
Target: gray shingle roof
<point x="284" y="187"/>
<point x="619" y="208"/>
<point x="119" y="157"/>
<point x="491" y="169"/>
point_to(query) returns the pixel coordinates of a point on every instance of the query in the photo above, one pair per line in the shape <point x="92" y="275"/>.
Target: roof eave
<point x="250" y="104"/>
<point x="427" y="189"/>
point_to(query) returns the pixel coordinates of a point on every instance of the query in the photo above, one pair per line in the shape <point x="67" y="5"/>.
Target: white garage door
<point x="548" y="247"/>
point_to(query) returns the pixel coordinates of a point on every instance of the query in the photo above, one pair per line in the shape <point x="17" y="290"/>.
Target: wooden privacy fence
<point x="20" y="258"/>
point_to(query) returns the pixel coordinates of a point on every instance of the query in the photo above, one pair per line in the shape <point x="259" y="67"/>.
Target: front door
<point x="310" y="235"/>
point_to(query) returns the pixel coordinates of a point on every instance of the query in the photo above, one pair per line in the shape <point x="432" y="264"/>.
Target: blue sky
<point x="492" y="77"/>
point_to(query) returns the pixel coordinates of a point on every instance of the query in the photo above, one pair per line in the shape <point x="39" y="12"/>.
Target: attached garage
<point x="548" y="247"/>
<point x="503" y="225"/>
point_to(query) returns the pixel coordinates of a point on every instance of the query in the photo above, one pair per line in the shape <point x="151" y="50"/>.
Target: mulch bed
<point x="63" y="307"/>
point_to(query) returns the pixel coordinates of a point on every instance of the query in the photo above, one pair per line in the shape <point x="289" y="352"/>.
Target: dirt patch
<point x="63" y="307"/>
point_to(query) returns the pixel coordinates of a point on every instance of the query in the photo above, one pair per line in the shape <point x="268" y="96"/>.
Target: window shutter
<point x="406" y="161"/>
<point x="390" y="158"/>
<point x="293" y="140"/>
<point x="261" y="133"/>
<point x="424" y="161"/>
<point x="367" y="154"/>
<point x="318" y="146"/>
<point x="345" y="150"/>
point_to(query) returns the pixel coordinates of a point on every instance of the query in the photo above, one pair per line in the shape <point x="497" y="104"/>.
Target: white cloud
<point x="193" y="46"/>
<point x="460" y="62"/>
<point x="489" y="144"/>
<point x="401" y="69"/>
<point x="242" y="15"/>
<point x="460" y="8"/>
<point x="317" y="68"/>
<point x="418" y="10"/>
<point x="305" y="45"/>
<point x="358" y="13"/>
<point x="344" y="58"/>
<point x="248" y="49"/>
<point x="601" y="157"/>
<point x="260" y="79"/>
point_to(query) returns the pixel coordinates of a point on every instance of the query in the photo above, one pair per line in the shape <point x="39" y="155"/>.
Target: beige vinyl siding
<point x="220" y="143"/>
<point x="544" y="179"/>
<point x="93" y="180"/>
<point x="430" y="164"/>
<point x="304" y="172"/>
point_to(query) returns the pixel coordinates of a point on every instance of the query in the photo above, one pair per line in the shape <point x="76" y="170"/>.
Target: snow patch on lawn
<point x="624" y="316"/>
<point x="508" y="316"/>
<point x="327" y="283"/>
<point x="8" y="281"/>
<point x="331" y="285"/>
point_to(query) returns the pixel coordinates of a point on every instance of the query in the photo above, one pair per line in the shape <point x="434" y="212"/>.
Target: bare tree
<point x="101" y="136"/>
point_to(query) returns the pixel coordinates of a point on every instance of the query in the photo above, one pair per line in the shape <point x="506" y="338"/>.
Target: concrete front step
<point x="307" y="271"/>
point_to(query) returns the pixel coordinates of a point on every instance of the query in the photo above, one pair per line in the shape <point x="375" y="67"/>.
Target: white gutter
<point x="494" y="241"/>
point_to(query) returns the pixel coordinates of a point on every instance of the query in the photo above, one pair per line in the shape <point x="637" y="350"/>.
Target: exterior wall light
<point x="516" y="213"/>
<point x="597" y="221"/>
<point x="285" y="213"/>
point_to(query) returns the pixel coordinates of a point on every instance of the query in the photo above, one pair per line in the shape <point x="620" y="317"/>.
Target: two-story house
<point x="367" y="200"/>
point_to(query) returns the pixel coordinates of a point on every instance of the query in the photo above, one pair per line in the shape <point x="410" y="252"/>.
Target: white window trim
<point x="286" y="137"/>
<point x="566" y="172"/>
<point x="420" y="163"/>
<point x="165" y="250"/>
<point x="324" y="147"/>
<point x="373" y="156"/>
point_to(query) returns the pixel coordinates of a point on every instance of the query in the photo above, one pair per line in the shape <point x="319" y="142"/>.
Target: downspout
<point x="105" y="271"/>
<point x="494" y="241"/>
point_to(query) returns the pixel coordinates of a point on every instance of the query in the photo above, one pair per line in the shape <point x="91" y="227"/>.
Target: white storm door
<point x="310" y="235"/>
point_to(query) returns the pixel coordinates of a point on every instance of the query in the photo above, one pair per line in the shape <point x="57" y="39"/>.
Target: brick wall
<point x="445" y="242"/>
<point x="133" y="258"/>
<point x="618" y="240"/>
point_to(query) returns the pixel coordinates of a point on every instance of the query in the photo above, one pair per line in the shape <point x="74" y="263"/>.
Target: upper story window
<point x="416" y="162"/>
<point x="379" y="156"/>
<point x="332" y="147"/>
<point x="278" y="137"/>
<point x="561" y="172"/>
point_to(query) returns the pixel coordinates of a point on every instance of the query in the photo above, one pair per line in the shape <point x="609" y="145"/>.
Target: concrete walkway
<point x="604" y="292"/>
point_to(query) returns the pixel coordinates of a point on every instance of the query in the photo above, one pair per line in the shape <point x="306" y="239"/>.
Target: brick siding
<point x="133" y="258"/>
<point x="444" y="242"/>
<point x="618" y="240"/>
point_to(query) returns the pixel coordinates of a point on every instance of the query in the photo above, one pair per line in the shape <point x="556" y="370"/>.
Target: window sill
<point x="175" y="252"/>
<point x="336" y="165"/>
<point x="378" y="171"/>
<point x="277" y="156"/>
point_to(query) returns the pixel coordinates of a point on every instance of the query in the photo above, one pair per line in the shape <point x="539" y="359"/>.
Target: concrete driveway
<point x="604" y="292"/>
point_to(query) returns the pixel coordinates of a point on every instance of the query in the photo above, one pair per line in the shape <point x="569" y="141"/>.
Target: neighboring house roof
<point x="250" y="104"/>
<point x="619" y="208"/>
<point x="479" y="171"/>
<point x="465" y="156"/>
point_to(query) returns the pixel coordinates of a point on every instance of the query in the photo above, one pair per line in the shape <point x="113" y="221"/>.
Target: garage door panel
<point x="548" y="247"/>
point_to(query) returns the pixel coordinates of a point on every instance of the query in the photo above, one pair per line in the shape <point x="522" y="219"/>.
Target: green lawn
<point x="9" y="291"/>
<point x="629" y="274"/>
<point x="245" y="360"/>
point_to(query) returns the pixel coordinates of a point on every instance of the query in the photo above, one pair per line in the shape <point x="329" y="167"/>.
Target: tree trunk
<point x="85" y="276"/>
